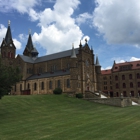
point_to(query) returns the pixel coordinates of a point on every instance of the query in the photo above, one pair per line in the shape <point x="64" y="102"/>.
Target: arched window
<point x="130" y="76"/>
<point x="138" y="76"/>
<point x="131" y="85"/>
<point x="138" y="84"/>
<point x="42" y="85"/>
<point x="124" y="85"/>
<point x="35" y="86"/>
<point x="117" y="85"/>
<point x="28" y="86"/>
<point x="50" y="84"/>
<point x="58" y="83"/>
<point x="68" y="83"/>
<point x="123" y="77"/>
<point x="116" y="78"/>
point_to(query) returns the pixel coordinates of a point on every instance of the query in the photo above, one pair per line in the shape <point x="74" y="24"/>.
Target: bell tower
<point x="8" y="49"/>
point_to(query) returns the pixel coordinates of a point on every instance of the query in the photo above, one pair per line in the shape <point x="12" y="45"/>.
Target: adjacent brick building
<point x="74" y="70"/>
<point x="122" y="78"/>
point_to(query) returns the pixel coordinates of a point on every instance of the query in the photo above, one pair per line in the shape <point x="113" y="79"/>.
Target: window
<point x="50" y="84"/>
<point x="123" y="77"/>
<point x="20" y="87"/>
<point x="116" y="78"/>
<point x="78" y="85"/>
<point x="130" y="76"/>
<point x="11" y="45"/>
<point x="138" y="76"/>
<point x="27" y="70"/>
<point x="138" y="84"/>
<point x="124" y="85"/>
<point x="117" y="85"/>
<point x="35" y="86"/>
<point x="58" y="83"/>
<point x="132" y="93"/>
<point x="68" y="66"/>
<point x="68" y="83"/>
<point x="42" y="85"/>
<point x="131" y="85"/>
<point x="28" y="86"/>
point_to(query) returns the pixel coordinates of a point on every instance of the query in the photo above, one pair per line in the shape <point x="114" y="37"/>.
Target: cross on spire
<point x="9" y="22"/>
<point x="86" y="40"/>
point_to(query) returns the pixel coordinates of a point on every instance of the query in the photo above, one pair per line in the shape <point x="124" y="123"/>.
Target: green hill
<point x="58" y="117"/>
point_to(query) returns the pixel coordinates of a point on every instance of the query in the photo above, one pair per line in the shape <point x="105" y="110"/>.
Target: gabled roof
<point x="105" y="72"/>
<point x="49" y="74"/>
<point x="48" y="57"/>
<point x="132" y="65"/>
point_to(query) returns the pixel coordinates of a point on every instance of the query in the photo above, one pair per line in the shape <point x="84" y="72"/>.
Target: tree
<point x="8" y="77"/>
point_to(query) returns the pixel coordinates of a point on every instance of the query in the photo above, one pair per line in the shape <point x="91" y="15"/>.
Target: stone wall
<point x="121" y="102"/>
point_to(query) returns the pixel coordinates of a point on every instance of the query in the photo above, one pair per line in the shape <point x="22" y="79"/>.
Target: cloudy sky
<point x="112" y="27"/>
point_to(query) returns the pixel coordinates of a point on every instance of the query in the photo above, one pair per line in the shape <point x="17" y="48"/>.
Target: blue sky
<point x="112" y="27"/>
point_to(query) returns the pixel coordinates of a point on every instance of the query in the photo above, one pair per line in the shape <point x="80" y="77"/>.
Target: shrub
<point x="79" y="95"/>
<point x="57" y="91"/>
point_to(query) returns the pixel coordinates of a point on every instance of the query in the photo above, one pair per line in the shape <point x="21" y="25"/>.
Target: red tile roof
<point x="106" y="71"/>
<point x="133" y="65"/>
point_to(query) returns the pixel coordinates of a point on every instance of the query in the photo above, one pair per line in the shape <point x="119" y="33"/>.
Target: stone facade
<point x="74" y="70"/>
<point x="122" y="78"/>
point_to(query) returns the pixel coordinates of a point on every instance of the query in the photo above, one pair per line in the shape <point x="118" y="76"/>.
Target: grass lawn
<point x="58" y="117"/>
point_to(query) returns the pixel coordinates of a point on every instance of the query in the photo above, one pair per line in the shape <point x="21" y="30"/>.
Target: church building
<point x="74" y="70"/>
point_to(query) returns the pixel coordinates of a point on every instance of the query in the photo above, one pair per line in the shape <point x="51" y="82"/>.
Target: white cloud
<point x="21" y="6"/>
<point x="3" y="30"/>
<point x="58" y="28"/>
<point x="84" y="18"/>
<point x="118" y="21"/>
<point x="134" y="59"/>
<point x="109" y="67"/>
<point x="17" y="44"/>
<point x="23" y="37"/>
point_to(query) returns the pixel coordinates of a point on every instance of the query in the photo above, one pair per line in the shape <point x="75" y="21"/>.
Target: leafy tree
<point x="8" y="77"/>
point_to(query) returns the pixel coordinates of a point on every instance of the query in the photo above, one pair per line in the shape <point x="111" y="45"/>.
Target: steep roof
<point x="105" y="72"/>
<point x="126" y="66"/>
<point x="48" y="57"/>
<point x="8" y="36"/>
<point x="49" y="74"/>
<point x="29" y="43"/>
<point x="97" y="61"/>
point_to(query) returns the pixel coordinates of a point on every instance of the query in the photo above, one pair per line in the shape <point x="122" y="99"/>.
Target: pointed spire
<point x="86" y="40"/>
<point x="8" y="37"/>
<point x="80" y="45"/>
<point x="97" y="61"/>
<point x="29" y="45"/>
<point x="73" y="55"/>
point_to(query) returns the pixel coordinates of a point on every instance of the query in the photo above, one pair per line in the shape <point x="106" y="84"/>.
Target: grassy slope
<point x="54" y="117"/>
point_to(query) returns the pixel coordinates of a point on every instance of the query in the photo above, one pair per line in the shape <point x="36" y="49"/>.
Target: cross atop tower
<point x="9" y="22"/>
